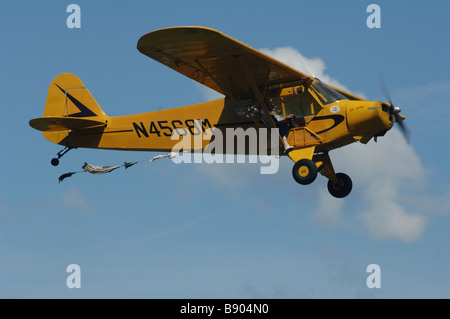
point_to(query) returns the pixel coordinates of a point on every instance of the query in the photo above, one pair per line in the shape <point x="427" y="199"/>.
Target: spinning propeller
<point x="395" y="111"/>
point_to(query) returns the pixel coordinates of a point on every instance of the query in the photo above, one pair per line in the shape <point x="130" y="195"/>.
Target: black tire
<point x="304" y="171"/>
<point x="55" y="161"/>
<point x="342" y="188"/>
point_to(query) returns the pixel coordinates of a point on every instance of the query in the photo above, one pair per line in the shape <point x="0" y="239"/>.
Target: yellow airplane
<point x="260" y="92"/>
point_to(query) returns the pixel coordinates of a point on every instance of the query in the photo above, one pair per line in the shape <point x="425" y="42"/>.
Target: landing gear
<point x="55" y="160"/>
<point x="342" y="188"/>
<point x="307" y="165"/>
<point x="304" y="171"/>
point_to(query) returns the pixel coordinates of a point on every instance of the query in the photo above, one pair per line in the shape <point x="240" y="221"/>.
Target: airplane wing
<point x="215" y="60"/>
<point x="218" y="61"/>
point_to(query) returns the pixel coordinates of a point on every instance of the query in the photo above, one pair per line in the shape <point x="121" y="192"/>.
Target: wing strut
<point x="258" y="95"/>
<point x="231" y="96"/>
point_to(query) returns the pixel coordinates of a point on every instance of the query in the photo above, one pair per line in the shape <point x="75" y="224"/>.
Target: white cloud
<point x="438" y="204"/>
<point x="383" y="173"/>
<point x="296" y="60"/>
<point x="385" y="218"/>
<point x="328" y="212"/>
<point x="390" y="161"/>
<point x="380" y="171"/>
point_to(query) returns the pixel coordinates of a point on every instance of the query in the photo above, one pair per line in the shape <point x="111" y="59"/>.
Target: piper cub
<point x="311" y="118"/>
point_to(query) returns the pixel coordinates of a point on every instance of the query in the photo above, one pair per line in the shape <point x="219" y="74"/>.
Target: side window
<point x="292" y="104"/>
<point x="249" y="105"/>
<point x="278" y="107"/>
<point x="308" y="104"/>
<point x="300" y="105"/>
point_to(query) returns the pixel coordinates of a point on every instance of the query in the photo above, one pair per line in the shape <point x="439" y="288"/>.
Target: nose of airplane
<point x="365" y="119"/>
<point x="395" y="111"/>
<point x="399" y="118"/>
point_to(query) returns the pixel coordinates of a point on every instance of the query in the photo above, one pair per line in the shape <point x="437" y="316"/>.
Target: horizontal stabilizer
<point x="54" y="123"/>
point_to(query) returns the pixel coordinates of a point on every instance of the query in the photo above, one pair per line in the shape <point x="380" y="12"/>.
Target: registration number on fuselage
<point x="166" y="128"/>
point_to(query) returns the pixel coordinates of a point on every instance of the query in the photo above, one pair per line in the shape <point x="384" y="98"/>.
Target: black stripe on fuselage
<point x="338" y="119"/>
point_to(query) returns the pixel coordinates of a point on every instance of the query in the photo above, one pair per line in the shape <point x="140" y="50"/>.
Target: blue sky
<point x="164" y="230"/>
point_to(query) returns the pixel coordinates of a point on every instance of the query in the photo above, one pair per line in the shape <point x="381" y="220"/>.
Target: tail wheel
<point x="304" y="171"/>
<point x="343" y="186"/>
<point x="55" y="161"/>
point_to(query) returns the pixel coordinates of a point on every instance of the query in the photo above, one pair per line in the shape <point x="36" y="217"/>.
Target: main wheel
<point x="304" y="171"/>
<point x="343" y="186"/>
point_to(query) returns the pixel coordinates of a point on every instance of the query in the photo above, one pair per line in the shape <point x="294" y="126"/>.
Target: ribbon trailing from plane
<point x="107" y="169"/>
<point x="99" y="169"/>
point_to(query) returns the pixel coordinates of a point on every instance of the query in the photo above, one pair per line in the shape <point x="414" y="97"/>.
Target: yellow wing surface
<point x="218" y="61"/>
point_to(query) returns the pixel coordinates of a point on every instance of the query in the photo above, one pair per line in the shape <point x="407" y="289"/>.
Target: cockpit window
<point x="325" y="93"/>
<point x="300" y="105"/>
<point x="302" y="101"/>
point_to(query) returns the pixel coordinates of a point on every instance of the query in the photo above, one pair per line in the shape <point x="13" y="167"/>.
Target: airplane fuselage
<point x="335" y="125"/>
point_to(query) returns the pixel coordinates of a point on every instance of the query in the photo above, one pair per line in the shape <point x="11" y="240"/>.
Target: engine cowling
<point x="366" y="119"/>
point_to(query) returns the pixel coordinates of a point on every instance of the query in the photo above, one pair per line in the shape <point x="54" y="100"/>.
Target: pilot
<point x="281" y="123"/>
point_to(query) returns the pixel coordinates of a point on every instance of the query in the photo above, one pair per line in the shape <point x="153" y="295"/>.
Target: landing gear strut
<point x="55" y="160"/>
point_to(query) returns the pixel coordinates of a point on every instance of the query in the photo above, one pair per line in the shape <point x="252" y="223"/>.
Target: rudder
<point x="67" y="96"/>
<point x="69" y="106"/>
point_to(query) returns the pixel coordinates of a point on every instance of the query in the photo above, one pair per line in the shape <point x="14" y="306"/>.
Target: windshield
<point x="325" y="93"/>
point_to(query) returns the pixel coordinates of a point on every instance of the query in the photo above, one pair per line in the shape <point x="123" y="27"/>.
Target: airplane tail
<point x="69" y="107"/>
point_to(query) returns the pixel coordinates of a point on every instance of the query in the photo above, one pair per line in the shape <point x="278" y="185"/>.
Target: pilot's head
<point x="270" y="104"/>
